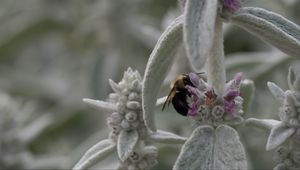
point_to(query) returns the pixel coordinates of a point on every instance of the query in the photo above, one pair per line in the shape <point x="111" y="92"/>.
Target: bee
<point x="178" y="94"/>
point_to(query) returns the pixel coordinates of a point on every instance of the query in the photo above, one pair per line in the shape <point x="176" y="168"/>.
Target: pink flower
<point x="229" y="103"/>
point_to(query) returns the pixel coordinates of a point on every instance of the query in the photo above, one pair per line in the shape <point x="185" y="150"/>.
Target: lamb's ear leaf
<point x="198" y="30"/>
<point x="266" y="24"/>
<point x="279" y="134"/>
<point x="247" y="91"/>
<point x="267" y="124"/>
<point x="161" y="136"/>
<point x="229" y="152"/>
<point x="126" y="143"/>
<point x="197" y="152"/>
<point x="158" y="64"/>
<point x="294" y="80"/>
<point x="277" y="92"/>
<point x="95" y="154"/>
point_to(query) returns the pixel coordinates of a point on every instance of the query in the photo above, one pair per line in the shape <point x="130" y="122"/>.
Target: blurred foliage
<point x="56" y="52"/>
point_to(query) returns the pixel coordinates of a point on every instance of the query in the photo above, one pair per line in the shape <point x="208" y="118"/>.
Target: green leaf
<point x="199" y="30"/>
<point x="270" y="27"/>
<point x="158" y="64"/>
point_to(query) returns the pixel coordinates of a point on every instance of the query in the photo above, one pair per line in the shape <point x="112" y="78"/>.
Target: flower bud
<point x="218" y="112"/>
<point x="125" y="124"/>
<point x="280" y="166"/>
<point x="133" y="96"/>
<point x="296" y="156"/>
<point x="203" y="112"/>
<point x="293" y="122"/>
<point x="134" y="156"/>
<point x="131" y="116"/>
<point x="281" y="153"/>
<point x="288" y="162"/>
<point x="142" y="164"/>
<point x="120" y="107"/>
<point x="289" y="111"/>
<point x="297" y="136"/>
<point x="133" y="105"/>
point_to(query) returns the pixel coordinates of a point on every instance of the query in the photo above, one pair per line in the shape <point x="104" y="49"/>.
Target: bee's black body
<point x="178" y="94"/>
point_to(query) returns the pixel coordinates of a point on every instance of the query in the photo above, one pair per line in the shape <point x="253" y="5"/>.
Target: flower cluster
<point x="290" y="111"/>
<point x="207" y="106"/>
<point x="285" y="134"/>
<point x="129" y="137"/>
<point x="126" y="98"/>
<point x="286" y="158"/>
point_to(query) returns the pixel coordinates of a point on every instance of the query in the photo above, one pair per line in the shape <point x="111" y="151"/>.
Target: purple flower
<point x="229" y="104"/>
<point x="231" y="5"/>
<point x="194" y="79"/>
<point x="238" y="79"/>
<point x="193" y="111"/>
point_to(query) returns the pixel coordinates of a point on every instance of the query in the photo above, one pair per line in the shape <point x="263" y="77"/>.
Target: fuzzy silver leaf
<point x="95" y="154"/>
<point x="197" y="152"/>
<point x="161" y="136"/>
<point x="247" y="91"/>
<point x="279" y="134"/>
<point x="158" y="64"/>
<point x="229" y="152"/>
<point x="277" y="92"/>
<point x="126" y="143"/>
<point x="267" y="124"/>
<point x="198" y="30"/>
<point x="293" y="80"/>
<point x="266" y="24"/>
<point x="98" y="104"/>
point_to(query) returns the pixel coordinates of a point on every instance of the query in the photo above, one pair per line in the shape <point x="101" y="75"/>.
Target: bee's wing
<point x="169" y="98"/>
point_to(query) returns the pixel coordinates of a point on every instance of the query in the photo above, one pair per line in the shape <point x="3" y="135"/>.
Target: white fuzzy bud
<point x="280" y="166"/>
<point x="133" y="105"/>
<point x="131" y="116"/>
<point x="203" y="112"/>
<point x="293" y="122"/>
<point x="133" y="96"/>
<point x="218" y="112"/>
<point x="134" y="157"/>
<point x="125" y="124"/>
<point x="281" y="154"/>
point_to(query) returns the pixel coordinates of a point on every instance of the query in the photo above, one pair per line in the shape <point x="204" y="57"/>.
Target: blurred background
<point x="53" y="53"/>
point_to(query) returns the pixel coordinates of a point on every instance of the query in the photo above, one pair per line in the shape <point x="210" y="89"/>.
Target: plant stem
<point x="216" y="66"/>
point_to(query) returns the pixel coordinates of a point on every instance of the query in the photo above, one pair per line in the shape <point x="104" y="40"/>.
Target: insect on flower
<point x="178" y="94"/>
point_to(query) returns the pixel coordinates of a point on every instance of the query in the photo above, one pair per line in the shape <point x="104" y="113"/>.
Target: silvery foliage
<point x="284" y="134"/>
<point x="17" y="130"/>
<point x="211" y="145"/>
<point x="129" y="136"/>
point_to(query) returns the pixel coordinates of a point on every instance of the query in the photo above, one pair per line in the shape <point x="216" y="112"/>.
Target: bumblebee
<point x="179" y="94"/>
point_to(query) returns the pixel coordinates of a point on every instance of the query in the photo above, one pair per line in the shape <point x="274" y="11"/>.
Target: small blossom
<point x="281" y="154"/>
<point x="218" y="112"/>
<point x="203" y="112"/>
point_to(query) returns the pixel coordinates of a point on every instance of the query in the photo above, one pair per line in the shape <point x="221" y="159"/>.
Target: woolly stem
<point x="215" y="63"/>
